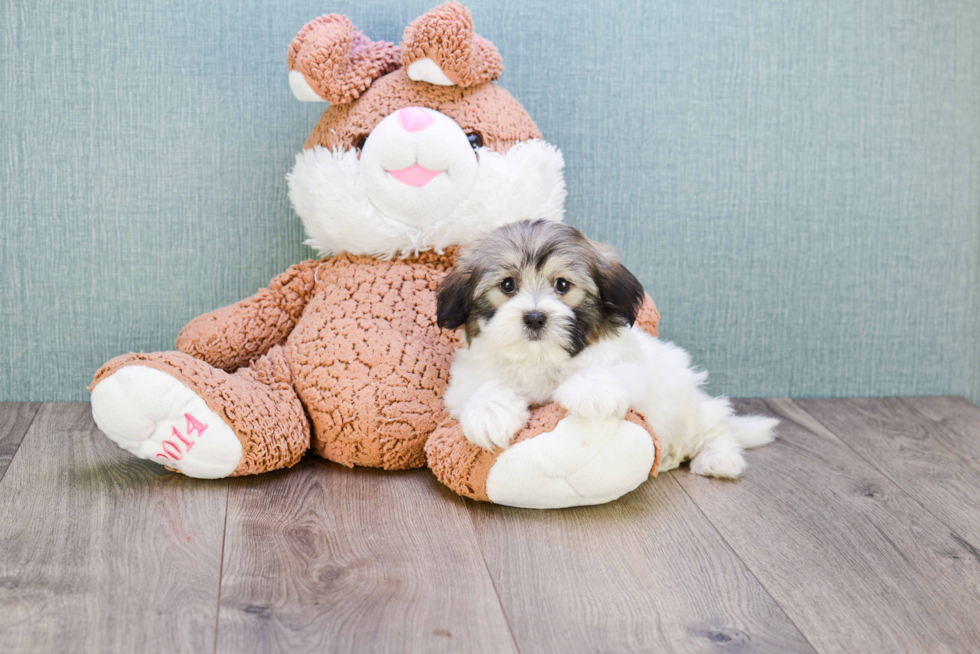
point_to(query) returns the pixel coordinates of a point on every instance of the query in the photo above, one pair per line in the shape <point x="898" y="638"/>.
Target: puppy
<point x="548" y="317"/>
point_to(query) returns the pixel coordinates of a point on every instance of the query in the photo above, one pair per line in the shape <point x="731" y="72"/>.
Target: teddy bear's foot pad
<point x="152" y="415"/>
<point x="580" y="462"/>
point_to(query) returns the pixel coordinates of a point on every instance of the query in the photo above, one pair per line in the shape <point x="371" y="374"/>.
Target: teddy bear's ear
<point x="330" y="60"/>
<point x="441" y="48"/>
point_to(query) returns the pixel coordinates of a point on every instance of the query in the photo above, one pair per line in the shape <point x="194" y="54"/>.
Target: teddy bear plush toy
<point x="418" y="152"/>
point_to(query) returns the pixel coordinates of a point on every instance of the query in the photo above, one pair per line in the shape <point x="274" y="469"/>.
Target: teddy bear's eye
<point x="508" y="286"/>
<point x="562" y="285"/>
<point x="476" y="141"/>
<point x="360" y="141"/>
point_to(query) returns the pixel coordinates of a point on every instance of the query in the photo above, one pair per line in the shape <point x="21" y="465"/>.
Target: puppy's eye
<point x="508" y="286"/>
<point x="562" y="285"/>
<point x="476" y="141"/>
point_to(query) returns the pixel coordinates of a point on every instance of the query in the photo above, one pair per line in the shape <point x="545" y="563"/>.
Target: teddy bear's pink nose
<point x="414" y="119"/>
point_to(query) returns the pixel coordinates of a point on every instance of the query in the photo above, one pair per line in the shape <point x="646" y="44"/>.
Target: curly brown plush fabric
<point x="343" y="354"/>
<point x="257" y="402"/>
<point x="648" y="319"/>
<point x="487" y="110"/>
<point x="349" y="343"/>
<point x="369" y="362"/>
<point x="233" y="336"/>
<point x="464" y="467"/>
<point x="337" y="60"/>
<point x="446" y="36"/>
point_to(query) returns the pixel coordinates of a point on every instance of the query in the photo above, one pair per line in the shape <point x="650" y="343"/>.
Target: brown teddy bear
<point x="418" y="152"/>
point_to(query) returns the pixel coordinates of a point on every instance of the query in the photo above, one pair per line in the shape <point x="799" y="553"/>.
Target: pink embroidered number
<point x="173" y="452"/>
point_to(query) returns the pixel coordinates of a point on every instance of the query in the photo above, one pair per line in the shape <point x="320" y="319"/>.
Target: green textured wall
<point x="796" y="183"/>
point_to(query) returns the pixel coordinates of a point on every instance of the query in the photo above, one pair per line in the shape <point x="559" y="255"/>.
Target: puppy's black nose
<point x="535" y="319"/>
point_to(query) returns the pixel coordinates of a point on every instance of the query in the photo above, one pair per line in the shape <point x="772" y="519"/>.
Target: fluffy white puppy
<point x="548" y="316"/>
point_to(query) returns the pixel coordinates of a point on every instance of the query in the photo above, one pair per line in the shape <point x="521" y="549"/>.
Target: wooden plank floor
<point x="857" y="531"/>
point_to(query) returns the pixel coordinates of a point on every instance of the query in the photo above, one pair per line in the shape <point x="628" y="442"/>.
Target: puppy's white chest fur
<point x="534" y="379"/>
<point x="537" y="372"/>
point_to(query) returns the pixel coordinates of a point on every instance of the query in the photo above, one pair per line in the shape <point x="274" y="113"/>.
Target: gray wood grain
<point x="960" y="418"/>
<point x="100" y="551"/>
<point x="856" y="531"/>
<point x="935" y="464"/>
<point x="323" y="558"/>
<point x="945" y="408"/>
<point x="645" y="573"/>
<point x="856" y="563"/>
<point x="15" y="418"/>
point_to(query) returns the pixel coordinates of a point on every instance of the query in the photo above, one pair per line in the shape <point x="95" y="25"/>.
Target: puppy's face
<point x="538" y="290"/>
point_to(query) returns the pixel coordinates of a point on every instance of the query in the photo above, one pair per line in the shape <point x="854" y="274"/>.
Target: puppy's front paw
<point x="594" y="394"/>
<point x="490" y="422"/>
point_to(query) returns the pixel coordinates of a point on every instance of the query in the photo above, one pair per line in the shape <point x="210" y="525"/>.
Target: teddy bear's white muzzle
<point x="418" y="166"/>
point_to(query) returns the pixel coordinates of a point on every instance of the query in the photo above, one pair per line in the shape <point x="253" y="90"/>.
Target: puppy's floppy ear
<point x="453" y="304"/>
<point x="620" y="292"/>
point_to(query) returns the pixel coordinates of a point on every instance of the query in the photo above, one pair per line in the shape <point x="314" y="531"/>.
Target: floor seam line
<point x="486" y="566"/>
<point x="953" y="530"/>
<point x="221" y="570"/>
<point x="27" y="430"/>
<point x="745" y="563"/>
<point x="954" y="449"/>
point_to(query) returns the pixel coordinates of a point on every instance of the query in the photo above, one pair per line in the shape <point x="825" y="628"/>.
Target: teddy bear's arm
<point x="234" y="336"/>
<point x="648" y="319"/>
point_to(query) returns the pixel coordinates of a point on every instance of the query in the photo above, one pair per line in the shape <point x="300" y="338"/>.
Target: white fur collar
<point x="327" y="191"/>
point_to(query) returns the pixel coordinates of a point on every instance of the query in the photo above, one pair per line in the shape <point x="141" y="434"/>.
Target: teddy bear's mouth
<point x="415" y="175"/>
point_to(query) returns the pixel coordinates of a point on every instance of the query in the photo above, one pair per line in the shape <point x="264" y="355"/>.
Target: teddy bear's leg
<point x="182" y="413"/>
<point x="378" y="396"/>
<point x="556" y="461"/>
